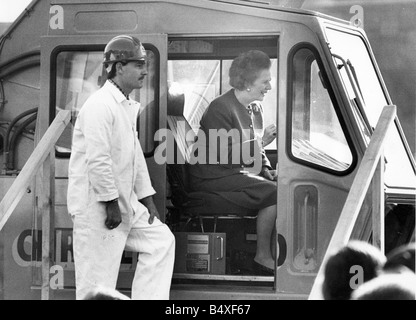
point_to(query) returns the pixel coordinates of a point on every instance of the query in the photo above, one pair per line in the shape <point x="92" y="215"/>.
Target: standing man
<point x="110" y="192"/>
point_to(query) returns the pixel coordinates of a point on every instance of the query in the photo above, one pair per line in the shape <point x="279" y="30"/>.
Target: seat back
<point x="180" y="128"/>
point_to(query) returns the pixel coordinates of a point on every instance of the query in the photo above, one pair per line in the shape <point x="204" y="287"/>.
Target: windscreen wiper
<point x="349" y="68"/>
<point x="359" y="100"/>
<point x="354" y="74"/>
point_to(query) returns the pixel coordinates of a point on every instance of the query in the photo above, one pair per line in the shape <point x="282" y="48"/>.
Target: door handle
<point x="222" y="248"/>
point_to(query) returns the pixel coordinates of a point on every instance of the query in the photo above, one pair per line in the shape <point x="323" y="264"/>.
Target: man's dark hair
<point x="113" y="70"/>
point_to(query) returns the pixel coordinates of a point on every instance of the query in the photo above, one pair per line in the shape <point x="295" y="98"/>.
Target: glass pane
<point x="200" y="82"/>
<point x="373" y="95"/>
<point x="399" y="171"/>
<point x="317" y="136"/>
<point x="191" y="46"/>
<point x="80" y="73"/>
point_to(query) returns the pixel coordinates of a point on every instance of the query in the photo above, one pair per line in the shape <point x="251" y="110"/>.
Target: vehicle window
<point x="200" y="68"/>
<point x="352" y="48"/>
<point x="200" y="82"/>
<point x="317" y="135"/>
<point x="81" y="73"/>
<point x="204" y="80"/>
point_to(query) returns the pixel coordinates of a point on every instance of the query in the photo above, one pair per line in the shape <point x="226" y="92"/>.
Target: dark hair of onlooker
<point x="338" y="270"/>
<point x="246" y="67"/>
<point x="388" y="287"/>
<point x="403" y="256"/>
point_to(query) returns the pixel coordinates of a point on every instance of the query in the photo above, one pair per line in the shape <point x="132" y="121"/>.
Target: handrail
<point x="40" y="161"/>
<point x="35" y="161"/>
<point x="371" y="169"/>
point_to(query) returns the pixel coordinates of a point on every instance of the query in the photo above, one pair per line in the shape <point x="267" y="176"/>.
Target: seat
<point x="194" y="204"/>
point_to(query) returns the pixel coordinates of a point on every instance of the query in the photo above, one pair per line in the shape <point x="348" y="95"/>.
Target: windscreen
<point x="352" y="49"/>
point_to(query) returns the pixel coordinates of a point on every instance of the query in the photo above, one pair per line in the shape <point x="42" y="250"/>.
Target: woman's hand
<point x="269" y="174"/>
<point x="269" y="135"/>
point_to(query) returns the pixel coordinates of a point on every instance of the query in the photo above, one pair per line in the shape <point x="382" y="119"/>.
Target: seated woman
<point x="236" y="164"/>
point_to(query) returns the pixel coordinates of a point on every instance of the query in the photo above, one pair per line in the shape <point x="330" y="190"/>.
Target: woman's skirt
<point x="244" y="190"/>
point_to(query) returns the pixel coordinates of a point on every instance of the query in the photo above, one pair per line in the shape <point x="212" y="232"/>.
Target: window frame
<point x="290" y="89"/>
<point x="98" y="48"/>
<point x="397" y="128"/>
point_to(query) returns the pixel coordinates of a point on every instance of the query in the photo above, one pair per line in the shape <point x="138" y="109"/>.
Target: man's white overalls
<point x="107" y="162"/>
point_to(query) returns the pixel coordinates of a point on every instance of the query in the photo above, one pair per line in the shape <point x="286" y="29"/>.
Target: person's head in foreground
<point x="357" y="258"/>
<point x="388" y="287"/>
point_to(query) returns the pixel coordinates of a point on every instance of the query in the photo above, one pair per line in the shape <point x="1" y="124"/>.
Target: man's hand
<point x="113" y="215"/>
<point x="151" y="207"/>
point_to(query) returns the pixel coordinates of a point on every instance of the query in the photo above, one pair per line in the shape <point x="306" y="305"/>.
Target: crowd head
<point x="360" y="271"/>
<point x="340" y="269"/>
